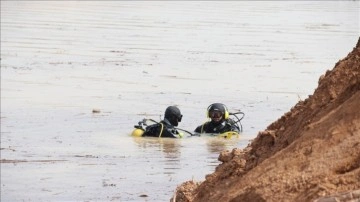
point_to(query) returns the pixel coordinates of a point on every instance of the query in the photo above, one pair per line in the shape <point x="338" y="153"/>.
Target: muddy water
<point x="130" y="60"/>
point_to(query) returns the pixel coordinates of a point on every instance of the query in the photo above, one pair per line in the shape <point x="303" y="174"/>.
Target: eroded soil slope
<point x="312" y="151"/>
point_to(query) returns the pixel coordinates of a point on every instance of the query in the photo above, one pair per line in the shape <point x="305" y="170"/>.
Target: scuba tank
<point x="139" y="129"/>
<point x="137" y="132"/>
<point x="229" y="134"/>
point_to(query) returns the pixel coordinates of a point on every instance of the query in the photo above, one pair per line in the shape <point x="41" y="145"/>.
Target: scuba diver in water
<point x="220" y="121"/>
<point x="166" y="127"/>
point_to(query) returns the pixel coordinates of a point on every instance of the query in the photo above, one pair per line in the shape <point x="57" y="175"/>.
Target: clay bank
<point x="311" y="153"/>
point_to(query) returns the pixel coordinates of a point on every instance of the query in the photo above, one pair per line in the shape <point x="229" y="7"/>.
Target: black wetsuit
<point x="162" y="129"/>
<point x="220" y="127"/>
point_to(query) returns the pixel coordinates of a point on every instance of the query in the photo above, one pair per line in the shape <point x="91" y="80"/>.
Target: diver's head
<point x="217" y="112"/>
<point x="173" y="115"/>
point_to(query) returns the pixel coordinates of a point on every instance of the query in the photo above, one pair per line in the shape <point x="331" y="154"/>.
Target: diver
<point x="220" y="121"/>
<point x="166" y="127"/>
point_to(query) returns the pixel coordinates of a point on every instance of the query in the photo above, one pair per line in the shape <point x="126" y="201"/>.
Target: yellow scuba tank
<point x="139" y="129"/>
<point x="229" y="134"/>
<point x="137" y="132"/>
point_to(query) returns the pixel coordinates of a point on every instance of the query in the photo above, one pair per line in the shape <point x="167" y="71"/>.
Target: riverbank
<point x="310" y="153"/>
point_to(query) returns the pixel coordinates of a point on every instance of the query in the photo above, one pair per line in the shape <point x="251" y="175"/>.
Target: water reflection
<point x="170" y="148"/>
<point x="216" y="145"/>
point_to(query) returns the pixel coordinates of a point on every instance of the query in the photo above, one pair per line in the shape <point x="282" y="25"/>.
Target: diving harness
<point x="140" y="128"/>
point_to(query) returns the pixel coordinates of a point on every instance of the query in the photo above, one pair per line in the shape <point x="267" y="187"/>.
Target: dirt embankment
<point x="311" y="153"/>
